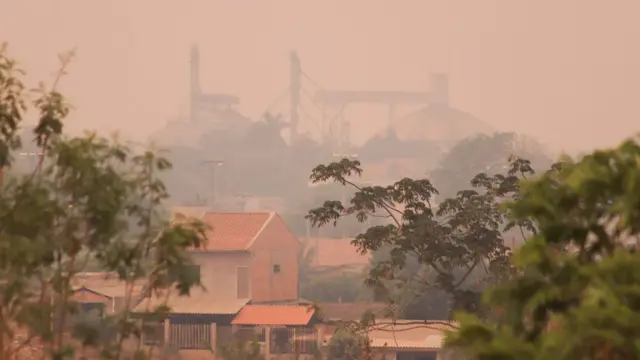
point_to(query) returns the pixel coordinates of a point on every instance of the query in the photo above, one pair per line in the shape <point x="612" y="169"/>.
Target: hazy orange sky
<point x="566" y="72"/>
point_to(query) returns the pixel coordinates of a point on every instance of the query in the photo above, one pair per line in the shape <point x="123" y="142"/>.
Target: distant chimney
<point x="439" y="89"/>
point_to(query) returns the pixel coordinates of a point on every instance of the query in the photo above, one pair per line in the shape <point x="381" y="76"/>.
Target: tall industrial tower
<point x="294" y="101"/>
<point x="194" y="90"/>
<point x="201" y="104"/>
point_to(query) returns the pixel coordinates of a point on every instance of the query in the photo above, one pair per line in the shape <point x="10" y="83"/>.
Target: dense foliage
<point x="457" y="246"/>
<point x="576" y="293"/>
<point x="241" y="350"/>
<point x="88" y="200"/>
<point x="345" y="345"/>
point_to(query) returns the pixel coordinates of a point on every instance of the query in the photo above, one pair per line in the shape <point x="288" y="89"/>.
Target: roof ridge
<point x="259" y="232"/>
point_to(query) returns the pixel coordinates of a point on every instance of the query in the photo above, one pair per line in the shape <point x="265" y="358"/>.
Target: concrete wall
<point x="272" y="261"/>
<point x="218" y="271"/>
<point x="275" y="246"/>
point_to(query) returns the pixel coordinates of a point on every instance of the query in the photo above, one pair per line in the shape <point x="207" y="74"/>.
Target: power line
<point x="314" y="122"/>
<point x="319" y="125"/>
<point x="332" y="118"/>
<point x="276" y="100"/>
<point x="306" y="93"/>
<point x="310" y="79"/>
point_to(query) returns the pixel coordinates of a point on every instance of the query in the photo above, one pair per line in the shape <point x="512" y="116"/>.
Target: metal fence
<point x="305" y="340"/>
<point x="294" y="340"/>
<point x="190" y="336"/>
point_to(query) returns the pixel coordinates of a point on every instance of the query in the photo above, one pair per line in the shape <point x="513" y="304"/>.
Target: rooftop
<point x="198" y="302"/>
<point x="107" y="284"/>
<point x="410" y="334"/>
<point x="234" y="231"/>
<point x="274" y="315"/>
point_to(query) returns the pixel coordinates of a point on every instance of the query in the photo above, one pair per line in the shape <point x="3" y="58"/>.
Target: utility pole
<point x="214" y="164"/>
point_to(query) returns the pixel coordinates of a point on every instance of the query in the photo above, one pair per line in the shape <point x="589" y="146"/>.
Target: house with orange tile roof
<point x="247" y="257"/>
<point x="283" y="329"/>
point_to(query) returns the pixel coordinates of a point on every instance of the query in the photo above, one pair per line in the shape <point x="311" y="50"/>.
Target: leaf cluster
<point x="576" y="295"/>
<point x="91" y="202"/>
<point x="448" y="241"/>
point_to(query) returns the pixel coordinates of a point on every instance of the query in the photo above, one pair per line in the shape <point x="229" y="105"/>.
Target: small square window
<point x="276" y="268"/>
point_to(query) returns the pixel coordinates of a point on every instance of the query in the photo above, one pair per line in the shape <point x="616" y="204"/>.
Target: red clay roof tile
<point x="274" y="315"/>
<point x="233" y="231"/>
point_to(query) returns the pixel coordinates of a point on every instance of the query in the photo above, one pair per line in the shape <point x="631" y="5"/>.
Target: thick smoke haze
<point x="565" y="72"/>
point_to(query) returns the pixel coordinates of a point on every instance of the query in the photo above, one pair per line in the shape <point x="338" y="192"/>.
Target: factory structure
<point x="436" y="120"/>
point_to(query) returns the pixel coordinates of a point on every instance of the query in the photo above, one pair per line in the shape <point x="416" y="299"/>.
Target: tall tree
<point x="74" y="209"/>
<point x="448" y="242"/>
<point x="576" y="292"/>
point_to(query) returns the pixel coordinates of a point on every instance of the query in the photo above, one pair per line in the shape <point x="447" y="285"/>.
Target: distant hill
<point x="440" y="124"/>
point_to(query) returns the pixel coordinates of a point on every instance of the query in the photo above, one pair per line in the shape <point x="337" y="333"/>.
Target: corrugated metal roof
<point x="199" y="302"/>
<point x="410" y="334"/>
<point x="274" y="315"/>
<point x="107" y="284"/>
<point x="234" y="231"/>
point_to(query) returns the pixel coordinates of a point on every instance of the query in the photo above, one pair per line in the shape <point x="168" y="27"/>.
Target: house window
<point x="276" y="268"/>
<point x="242" y="284"/>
